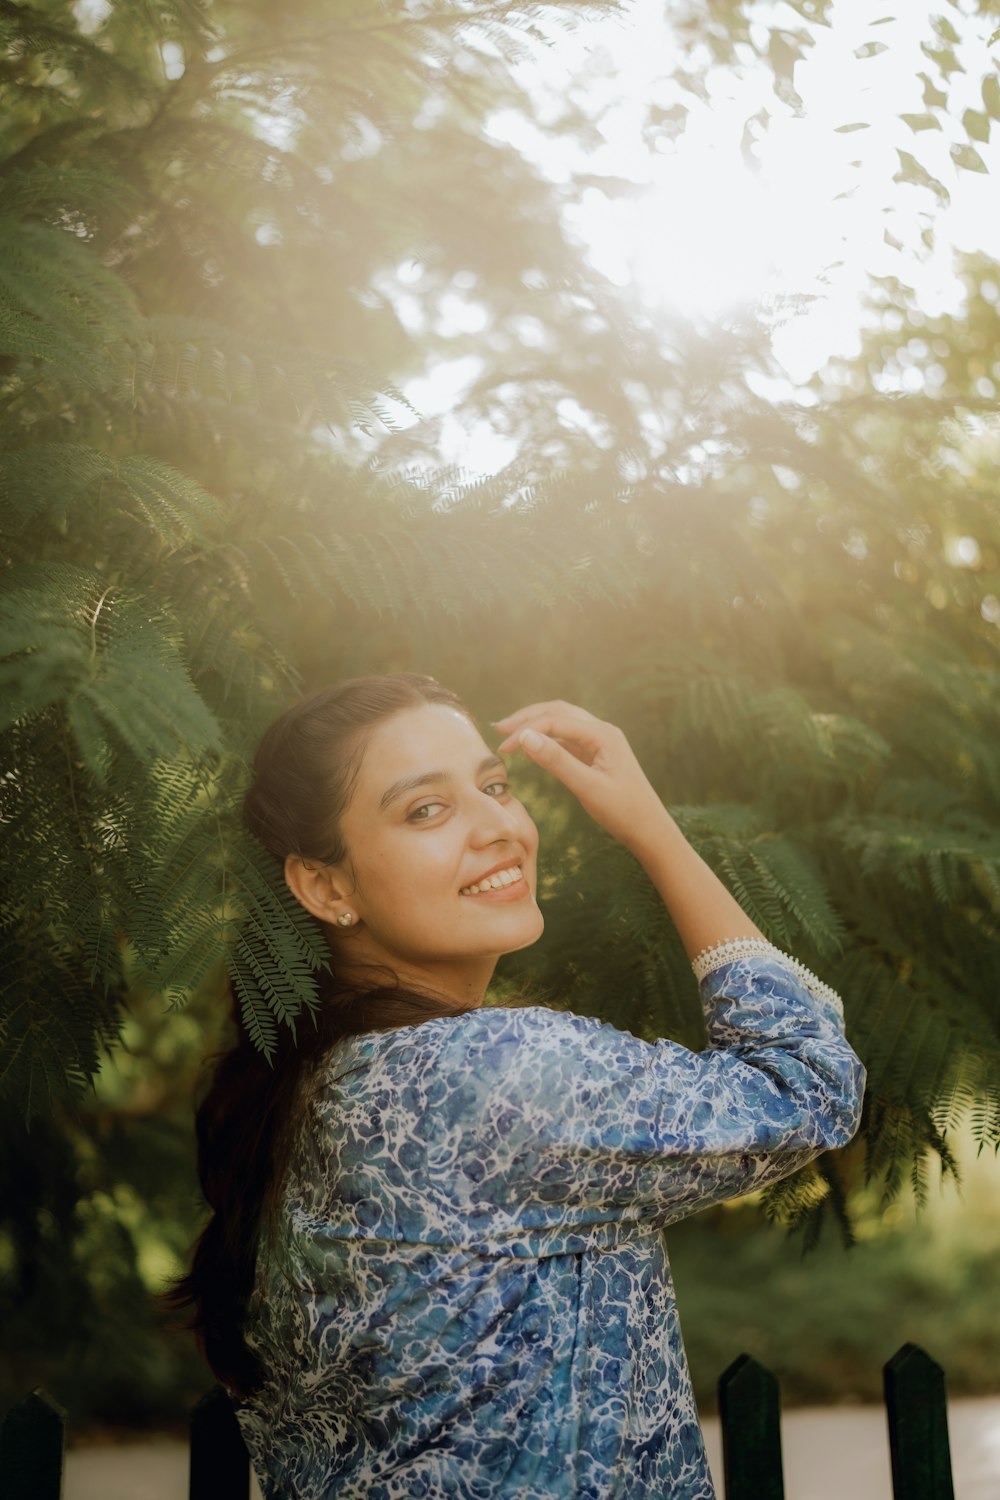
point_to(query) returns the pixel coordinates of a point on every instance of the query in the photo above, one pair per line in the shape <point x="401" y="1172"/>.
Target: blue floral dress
<point x="470" y="1298"/>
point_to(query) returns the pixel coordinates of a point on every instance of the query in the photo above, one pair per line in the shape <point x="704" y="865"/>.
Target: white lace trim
<point x="732" y="950"/>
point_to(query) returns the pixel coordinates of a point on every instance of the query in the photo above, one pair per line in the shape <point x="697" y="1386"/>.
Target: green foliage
<point x="99" y="1207"/>
<point x="215" y="287"/>
<point x="213" y="500"/>
<point x="59" y="303"/>
<point x="826" y="1322"/>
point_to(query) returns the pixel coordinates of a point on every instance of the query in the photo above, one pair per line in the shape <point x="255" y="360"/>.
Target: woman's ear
<point x="315" y="886"/>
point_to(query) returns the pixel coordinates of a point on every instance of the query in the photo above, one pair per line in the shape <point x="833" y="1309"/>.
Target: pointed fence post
<point x="220" y="1465"/>
<point x="750" y="1412"/>
<point x="31" y="1449"/>
<point x="917" y="1412"/>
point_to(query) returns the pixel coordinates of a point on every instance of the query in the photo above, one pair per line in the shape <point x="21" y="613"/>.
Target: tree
<point x="205" y="336"/>
<point x="150" y="432"/>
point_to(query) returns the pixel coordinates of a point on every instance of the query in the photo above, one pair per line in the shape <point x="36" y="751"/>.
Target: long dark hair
<point x="304" y="773"/>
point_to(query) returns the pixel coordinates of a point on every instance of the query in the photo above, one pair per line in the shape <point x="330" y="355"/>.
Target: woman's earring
<point x="345" y="919"/>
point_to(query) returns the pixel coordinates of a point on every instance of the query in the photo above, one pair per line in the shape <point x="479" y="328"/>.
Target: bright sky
<point x="705" y="231"/>
<point x="809" y="217"/>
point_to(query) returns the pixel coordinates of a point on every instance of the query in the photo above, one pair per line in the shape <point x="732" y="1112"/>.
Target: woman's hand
<point x="593" y="759"/>
<point x="596" y="762"/>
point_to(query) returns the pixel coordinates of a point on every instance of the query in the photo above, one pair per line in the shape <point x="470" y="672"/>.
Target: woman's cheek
<point x="530" y="830"/>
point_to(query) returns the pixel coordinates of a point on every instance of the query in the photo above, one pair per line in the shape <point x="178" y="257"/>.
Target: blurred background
<point x="644" y="356"/>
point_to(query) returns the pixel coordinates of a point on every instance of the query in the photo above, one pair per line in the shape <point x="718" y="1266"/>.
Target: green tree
<point x="211" y="502"/>
<point x="184" y="434"/>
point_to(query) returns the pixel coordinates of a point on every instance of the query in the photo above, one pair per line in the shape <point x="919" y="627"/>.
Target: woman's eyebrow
<point x="409" y="783"/>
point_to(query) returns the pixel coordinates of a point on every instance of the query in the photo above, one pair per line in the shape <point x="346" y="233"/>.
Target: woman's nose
<point x="496" y="820"/>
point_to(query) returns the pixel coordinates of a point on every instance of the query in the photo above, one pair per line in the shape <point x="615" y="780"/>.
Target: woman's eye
<point x="415" y="815"/>
<point x="422" y="813"/>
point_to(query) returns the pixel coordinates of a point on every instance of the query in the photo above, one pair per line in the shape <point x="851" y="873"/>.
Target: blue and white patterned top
<point x="475" y="1301"/>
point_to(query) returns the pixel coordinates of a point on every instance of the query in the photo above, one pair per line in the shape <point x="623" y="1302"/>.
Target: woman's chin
<point x="532" y="932"/>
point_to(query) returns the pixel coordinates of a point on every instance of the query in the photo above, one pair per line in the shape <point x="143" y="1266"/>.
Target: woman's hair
<point x="304" y="773"/>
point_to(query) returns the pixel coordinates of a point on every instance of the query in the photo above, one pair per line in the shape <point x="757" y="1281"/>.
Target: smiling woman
<point x="411" y="861"/>
<point x="434" y="1265"/>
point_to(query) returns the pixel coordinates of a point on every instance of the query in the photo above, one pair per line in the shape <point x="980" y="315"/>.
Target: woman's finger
<point x="551" y="705"/>
<point x="591" y="758"/>
<point x="574" y="773"/>
<point x="585" y="741"/>
<point x="563" y="721"/>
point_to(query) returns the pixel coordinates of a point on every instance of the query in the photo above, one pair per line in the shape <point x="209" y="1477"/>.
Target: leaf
<point x="934" y="98"/>
<point x="59" y="304"/>
<point x="784" y="50"/>
<point x="968" y="159"/>
<point x="921" y="122"/>
<point x="910" y="170"/>
<point x="945" y="58"/>
<point x="669" y="122"/>
<point x="170" y="503"/>
<point x="977" y="124"/>
<point x="49" y="476"/>
<point x="65" y="636"/>
<point x="991" y="94"/>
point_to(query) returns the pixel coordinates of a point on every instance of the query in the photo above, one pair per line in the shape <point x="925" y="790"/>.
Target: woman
<point x="436" y="1265"/>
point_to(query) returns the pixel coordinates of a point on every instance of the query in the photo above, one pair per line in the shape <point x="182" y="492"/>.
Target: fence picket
<point x="917" y="1413"/>
<point x="220" y="1465"/>
<point x="32" y="1437"/>
<point x="750" y="1413"/>
<point x="31" y="1449"/>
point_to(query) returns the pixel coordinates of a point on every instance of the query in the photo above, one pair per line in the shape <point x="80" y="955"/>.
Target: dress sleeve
<point x="589" y="1124"/>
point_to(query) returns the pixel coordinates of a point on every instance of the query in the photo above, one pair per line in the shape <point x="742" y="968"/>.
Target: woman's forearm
<point x="701" y="908"/>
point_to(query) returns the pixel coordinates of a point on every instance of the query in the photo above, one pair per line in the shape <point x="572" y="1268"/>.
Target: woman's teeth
<point x="494" y="882"/>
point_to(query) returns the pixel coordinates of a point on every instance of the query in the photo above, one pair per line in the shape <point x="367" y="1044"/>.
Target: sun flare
<point x="755" y="201"/>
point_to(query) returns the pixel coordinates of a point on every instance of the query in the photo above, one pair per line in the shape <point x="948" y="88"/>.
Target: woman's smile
<point x="515" y="891"/>
<point x="496" y="878"/>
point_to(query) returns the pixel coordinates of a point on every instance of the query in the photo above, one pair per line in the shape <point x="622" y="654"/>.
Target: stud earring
<point x="345" y="919"/>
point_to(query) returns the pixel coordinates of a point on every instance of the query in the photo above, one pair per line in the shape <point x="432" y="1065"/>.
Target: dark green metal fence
<point x="33" y="1438"/>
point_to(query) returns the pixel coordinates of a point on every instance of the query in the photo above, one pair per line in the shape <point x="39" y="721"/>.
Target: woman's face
<point x="432" y="814"/>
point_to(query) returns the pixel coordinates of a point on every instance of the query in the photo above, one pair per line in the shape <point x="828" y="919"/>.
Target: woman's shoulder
<point x="493" y="1029"/>
<point x="521" y="1021"/>
<point x="504" y="1052"/>
<point x="485" y="1021"/>
<point x="494" y="1038"/>
<point x="520" y="1024"/>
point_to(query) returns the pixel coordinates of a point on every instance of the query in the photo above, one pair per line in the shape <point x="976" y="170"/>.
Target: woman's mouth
<point x="506" y="885"/>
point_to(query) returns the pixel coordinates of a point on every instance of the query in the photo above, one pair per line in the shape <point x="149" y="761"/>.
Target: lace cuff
<point x="733" y="950"/>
